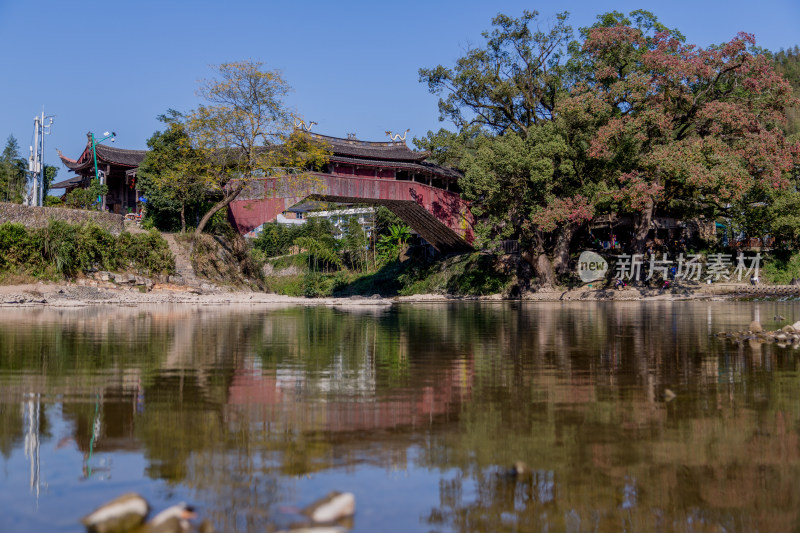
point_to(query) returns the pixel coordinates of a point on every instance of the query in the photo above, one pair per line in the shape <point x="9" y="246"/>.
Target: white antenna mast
<point x="35" y="162"/>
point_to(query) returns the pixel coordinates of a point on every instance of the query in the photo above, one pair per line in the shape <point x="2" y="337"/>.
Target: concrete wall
<point x="39" y="217"/>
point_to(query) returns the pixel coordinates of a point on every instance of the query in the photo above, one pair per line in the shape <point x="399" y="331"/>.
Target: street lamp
<point x="107" y="135"/>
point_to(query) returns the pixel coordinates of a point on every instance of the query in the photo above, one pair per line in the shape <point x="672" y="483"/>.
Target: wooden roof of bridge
<point x="390" y="151"/>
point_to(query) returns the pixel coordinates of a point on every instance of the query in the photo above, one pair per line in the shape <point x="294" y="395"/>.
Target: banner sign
<point x="591" y="267"/>
<point x="689" y="267"/>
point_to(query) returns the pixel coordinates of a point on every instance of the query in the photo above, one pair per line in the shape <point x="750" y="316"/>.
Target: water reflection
<point x="418" y="410"/>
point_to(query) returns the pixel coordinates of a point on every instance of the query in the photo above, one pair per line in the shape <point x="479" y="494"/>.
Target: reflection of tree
<point x="235" y="405"/>
<point x="11" y="424"/>
<point x="581" y="402"/>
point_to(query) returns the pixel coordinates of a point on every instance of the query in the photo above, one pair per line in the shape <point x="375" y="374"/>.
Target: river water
<point x="419" y="410"/>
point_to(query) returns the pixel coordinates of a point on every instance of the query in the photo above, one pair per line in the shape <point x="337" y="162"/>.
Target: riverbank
<point x="87" y="293"/>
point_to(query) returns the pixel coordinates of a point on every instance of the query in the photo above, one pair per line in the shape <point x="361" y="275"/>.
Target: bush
<point x="781" y="267"/>
<point x="147" y="252"/>
<point x="96" y="248"/>
<point x="53" y="201"/>
<point x="65" y="250"/>
<point x="60" y="247"/>
<point x="86" y="198"/>
<point x="18" y="247"/>
<point x="316" y="285"/>
<point x="285" y="285"/>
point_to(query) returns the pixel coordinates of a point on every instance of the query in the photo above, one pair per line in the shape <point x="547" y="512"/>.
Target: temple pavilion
<point x="119" y="166"/>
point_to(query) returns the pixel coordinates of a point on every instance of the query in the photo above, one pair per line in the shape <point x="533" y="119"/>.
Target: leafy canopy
<point x="243" y="131"/>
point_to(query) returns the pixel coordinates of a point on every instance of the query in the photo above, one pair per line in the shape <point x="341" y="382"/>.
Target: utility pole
<point x="101" y="175"/>
<point x="35" y="163"/>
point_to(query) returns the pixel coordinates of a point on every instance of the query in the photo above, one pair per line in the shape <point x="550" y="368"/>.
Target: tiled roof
<point x="120" y="156"/>
<point x="395" y="151"/>
<point x="422" y="166"/>
<point x="106" y="154"/>
<point x="74" y="181"/>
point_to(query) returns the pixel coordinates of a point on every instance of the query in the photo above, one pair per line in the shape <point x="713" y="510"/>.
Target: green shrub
<point x="276" y="239"/>
<point x="53" y="201"/>
<point x="96" y="248"/>
<point x="86" y="198"/>
<point x="317" y="285"/>
<point x="781" y="267"/>
<point x="285" y="285"/>
<point x="18" y="247"/>
<point x="60" y="247"/>
<point x="65" y="250"/>
<point x="146" y="252"/>
<point x="466" y="275"/>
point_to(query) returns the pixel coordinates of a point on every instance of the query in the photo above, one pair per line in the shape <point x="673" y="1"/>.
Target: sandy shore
<point x="82" y="294"/>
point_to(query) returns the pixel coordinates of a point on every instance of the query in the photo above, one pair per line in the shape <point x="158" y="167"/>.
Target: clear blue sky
<point x="116" y="65"/>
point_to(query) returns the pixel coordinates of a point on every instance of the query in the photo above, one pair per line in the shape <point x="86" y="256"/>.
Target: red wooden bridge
<point x="382" y="174"/>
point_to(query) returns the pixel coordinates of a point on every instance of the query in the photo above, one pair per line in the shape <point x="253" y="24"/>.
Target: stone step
<point x="183" y="266"/>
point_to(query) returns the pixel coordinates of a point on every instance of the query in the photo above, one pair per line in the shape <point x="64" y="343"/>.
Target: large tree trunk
<point x="227" y="199"/>
<point x="563" y="242"/>
<point x="538" y="259"/>
<point x="183" y="218"/>
<point x="639" y="243"/>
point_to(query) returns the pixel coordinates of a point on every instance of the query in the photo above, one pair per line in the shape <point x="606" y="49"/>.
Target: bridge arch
<point x="439" y="216"/>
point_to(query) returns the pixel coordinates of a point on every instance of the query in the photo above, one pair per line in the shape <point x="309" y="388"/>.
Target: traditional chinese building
<point x="119" y="166"/>
<point x="424" y="195"/>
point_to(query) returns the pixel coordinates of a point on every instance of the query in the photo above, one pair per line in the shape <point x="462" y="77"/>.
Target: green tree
<point x="243" y="132"/>
<point x="171" y="175"/>
<point x="390" y="244"/>
<point x="526" y="173"/>
<point x="787" y="62"/>
<point x="276" y="239"/>
<point x="355" y="244"/>
<point x="12" y="172"/>
<point x="50" y="173"/>
<point x="319" y="242"/>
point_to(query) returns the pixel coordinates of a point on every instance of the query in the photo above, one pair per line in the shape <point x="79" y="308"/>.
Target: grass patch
<point x="473" y="274"/>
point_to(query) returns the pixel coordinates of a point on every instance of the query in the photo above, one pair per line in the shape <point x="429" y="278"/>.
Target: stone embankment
<point x="132" y="282"/>
<point x="747" y="290"/>
<point x="39" y="217"/>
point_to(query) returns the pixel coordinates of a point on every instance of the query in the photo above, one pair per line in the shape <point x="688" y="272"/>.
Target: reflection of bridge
<point x="375" y="173"/>
<point x="283" y="394"/>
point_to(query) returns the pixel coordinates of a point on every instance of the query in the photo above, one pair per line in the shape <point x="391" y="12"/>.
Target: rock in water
<point x="173" y="519"/>
<point x="755" y="327"/>
<point x="518" y="470"/>
<point x="123" y="514"/>
<point x="333" y="507"/>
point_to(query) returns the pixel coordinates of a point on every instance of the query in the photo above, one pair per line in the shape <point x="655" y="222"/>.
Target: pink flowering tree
<point x="687" y="129"/>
